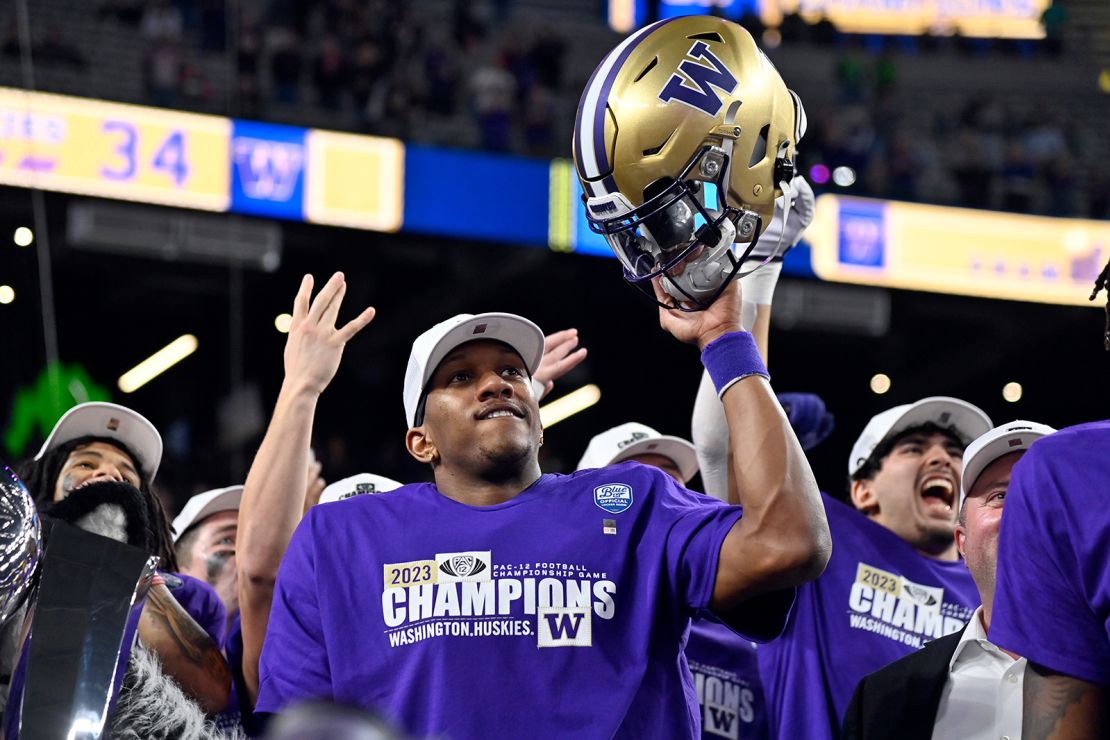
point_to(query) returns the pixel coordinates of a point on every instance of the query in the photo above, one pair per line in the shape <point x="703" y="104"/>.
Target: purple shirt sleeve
<point x="693" y="542"/>
<point x="201" y="602"/>
<point x="294" y="657"/>
<point x="1052" y="603"/>
<point x="700" y="525"/>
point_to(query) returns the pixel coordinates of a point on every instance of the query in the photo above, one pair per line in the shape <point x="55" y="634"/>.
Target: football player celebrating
<point x="570" y="593"/>
<point x="413" y="600"/>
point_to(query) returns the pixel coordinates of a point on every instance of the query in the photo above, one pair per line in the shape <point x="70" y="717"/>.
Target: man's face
<point x="96" y="461"/>
<point x="479" y="411"/>
<point x="664" y="463"/>
<point x="212" y="555"/>
<point x="977" y="537"/>
<point x="914" y="492"/>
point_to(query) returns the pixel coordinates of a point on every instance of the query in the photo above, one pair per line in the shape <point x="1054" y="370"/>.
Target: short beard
<point x="931" y="539"/>
<point x="505" y="464"/>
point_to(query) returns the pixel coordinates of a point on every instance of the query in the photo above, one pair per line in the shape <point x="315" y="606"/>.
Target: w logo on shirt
<point x="556" y="627"/>
<point x="693" y="84"/>
<point x="721" y="721"/>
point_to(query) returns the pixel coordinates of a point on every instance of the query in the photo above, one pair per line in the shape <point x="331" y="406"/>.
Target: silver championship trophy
<point x="73" y="608"/>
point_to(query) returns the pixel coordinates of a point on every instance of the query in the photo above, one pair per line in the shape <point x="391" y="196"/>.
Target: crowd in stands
<point x="490" y="76"/>
<point x="980" y="152"/>
<point x="377" y="67"/>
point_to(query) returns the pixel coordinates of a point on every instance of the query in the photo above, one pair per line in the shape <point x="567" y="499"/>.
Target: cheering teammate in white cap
<point x="960" y="685"/>
<point x="894" y="582"/>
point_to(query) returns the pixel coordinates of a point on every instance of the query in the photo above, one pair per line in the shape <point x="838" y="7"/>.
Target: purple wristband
<point x="730" y="357"/>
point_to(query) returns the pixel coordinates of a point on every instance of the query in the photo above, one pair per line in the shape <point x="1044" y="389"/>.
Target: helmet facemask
<point x="683" y="234"/>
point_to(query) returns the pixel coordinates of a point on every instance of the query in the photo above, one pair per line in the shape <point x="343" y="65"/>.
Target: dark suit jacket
<point x="900" y="701"/>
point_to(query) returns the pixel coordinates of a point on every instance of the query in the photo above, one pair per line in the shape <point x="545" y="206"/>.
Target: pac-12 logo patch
<point x="613" y="497"/>
<point x="463" y="567"/>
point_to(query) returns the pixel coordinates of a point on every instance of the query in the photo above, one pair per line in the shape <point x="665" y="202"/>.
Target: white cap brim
<point x="633" y="438"/>
<point x="204" y="505"/>
<point x="683" y="453"/>
<point x="1002" y="440"/>
<point x="110" y="421"/>
<point x="968" y="421"/>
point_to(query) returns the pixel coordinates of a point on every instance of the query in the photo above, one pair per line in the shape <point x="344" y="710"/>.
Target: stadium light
<point x="158" y="363"/>
<point x="845" y="177"/>
<point x="283" y="322"/>
<point x="7" y="294"/>
<point x="1012" y="392"/>
<point x="23" y="237"/>
<point x="569" y="405"/>
<point x="880" y="383"/>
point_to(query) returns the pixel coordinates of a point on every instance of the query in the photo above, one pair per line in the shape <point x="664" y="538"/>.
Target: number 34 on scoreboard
<point x="112" y="150"/>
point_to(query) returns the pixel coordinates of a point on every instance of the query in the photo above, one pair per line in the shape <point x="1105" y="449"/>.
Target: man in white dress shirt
<point x="962" y="685"/>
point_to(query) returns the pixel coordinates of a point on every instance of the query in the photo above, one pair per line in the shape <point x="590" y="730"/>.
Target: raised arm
<point x="783" y="538"/>
<point x="186" y="651"/>
<point x="709" y="429"/>
<point x="274" y="494"/>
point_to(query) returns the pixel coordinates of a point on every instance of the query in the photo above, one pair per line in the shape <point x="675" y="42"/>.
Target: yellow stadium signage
<point x="89" y="147"/>
<point x="957" y="250"/>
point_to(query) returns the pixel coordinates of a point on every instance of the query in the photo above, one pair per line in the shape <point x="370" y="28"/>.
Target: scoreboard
<point x="129" y="152"/>
<point x="211" y="163"/>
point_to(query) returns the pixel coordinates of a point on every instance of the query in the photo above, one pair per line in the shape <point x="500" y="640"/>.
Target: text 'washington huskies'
<point x="467" y="595"/>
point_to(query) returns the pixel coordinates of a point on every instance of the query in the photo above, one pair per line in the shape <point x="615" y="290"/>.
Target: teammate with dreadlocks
<point x="95" y="470"/>
<point x="63" y="467"/>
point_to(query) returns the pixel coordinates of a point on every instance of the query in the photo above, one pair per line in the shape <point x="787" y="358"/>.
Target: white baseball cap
<point x="356" y="485"/>
<point x="111" y="422"/>
<point x="631" y="439"/>
<point x="1003" y="439"/>
<point x="967" y="420"/>
<point x="204" y="505"/>
<point x="432" y="346"/>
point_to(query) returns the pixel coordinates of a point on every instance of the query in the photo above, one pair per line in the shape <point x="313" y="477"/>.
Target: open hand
<point x="559" y="358"/>
<point x="315" y="346"/>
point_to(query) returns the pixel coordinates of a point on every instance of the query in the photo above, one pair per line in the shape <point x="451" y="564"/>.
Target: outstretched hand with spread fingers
<point x="315" y="346"/>
<point x="560" y="356"/>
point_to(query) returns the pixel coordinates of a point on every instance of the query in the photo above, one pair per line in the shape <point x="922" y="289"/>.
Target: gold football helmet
<point x="685" y="136"/>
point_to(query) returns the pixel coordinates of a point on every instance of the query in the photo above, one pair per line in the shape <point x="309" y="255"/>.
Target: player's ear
<point x="863" y="496"/>
<point x="961" y="539"/>
<point x="421" y="446"/>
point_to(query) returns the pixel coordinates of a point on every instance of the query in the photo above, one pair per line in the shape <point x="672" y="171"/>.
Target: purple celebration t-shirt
<point x="877" y="601"/>
<point x="559" y="613"/>
<point x="726" y="677"/>
<point x="1052" y="600"/>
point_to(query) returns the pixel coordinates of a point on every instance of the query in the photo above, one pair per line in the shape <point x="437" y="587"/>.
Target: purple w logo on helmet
<point x="703" y="78"/>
